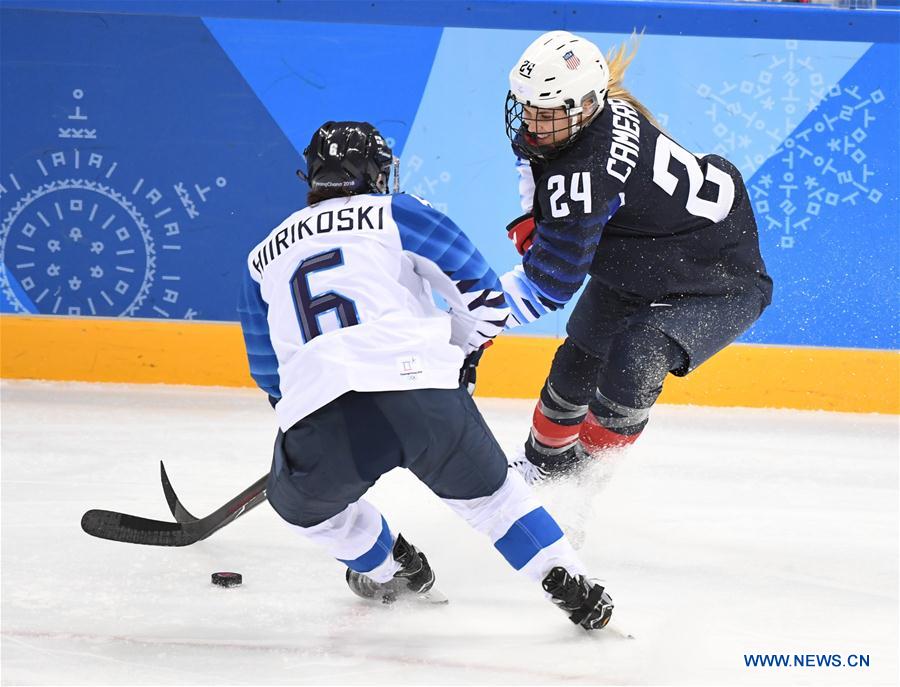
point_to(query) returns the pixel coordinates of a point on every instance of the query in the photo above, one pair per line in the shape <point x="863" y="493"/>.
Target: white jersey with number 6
<point x="338" y="297"/>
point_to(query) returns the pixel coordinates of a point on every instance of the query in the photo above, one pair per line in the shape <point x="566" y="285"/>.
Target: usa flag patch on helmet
<point x="572" y="60"/>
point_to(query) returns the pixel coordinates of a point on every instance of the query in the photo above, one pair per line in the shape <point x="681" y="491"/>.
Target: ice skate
<point x="414" y="580"/>
<point x="583" y="600"/>
<point x="531" y="473"/>
<point x="538" y="463"/>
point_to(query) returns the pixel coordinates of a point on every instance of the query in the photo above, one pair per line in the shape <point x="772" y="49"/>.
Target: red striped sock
<point x="596" y="437"/>
<point x="551" y="433"/>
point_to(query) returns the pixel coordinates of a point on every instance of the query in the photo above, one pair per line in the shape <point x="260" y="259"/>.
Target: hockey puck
<point x="227" y="579"/>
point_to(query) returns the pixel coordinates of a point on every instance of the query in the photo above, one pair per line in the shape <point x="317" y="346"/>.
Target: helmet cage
<point x="566" y="120"/>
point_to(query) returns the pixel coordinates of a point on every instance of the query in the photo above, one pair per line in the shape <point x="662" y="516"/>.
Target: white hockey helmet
<point x="558" y="70"/>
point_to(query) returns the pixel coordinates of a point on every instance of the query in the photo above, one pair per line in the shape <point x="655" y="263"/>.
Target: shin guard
<point x="555" y="425"/>
<point x="609" y="424"/>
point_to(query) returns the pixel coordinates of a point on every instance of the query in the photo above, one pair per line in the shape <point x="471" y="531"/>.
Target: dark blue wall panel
<point x="137" y="166"/>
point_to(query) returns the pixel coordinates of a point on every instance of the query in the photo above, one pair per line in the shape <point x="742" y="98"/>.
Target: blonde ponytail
<point x="618" y="58"/>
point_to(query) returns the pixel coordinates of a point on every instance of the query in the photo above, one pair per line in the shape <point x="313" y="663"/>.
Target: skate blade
<point x="613" y="629"/>
<point x="431" y="597"/>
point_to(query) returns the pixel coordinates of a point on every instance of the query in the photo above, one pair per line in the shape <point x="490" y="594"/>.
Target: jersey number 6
<point x="310" y="308"/>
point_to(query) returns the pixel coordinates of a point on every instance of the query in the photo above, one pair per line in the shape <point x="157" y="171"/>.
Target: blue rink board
<point x="186" y="131"/>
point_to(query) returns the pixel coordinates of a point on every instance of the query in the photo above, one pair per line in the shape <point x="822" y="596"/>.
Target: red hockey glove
<point x="521" y="232"/>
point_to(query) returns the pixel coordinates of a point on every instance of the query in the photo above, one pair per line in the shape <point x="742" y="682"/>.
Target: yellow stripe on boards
<point x="212" y="354"/>
<point x="848" y="380"/>
<point x="123" y="350"/>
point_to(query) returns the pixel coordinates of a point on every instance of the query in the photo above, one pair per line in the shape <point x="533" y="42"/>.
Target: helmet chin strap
<point x="574" y="115"/>
<point x="381" y="184"/>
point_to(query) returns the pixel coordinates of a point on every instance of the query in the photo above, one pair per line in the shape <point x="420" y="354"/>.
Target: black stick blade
<point x="135" y="530"/>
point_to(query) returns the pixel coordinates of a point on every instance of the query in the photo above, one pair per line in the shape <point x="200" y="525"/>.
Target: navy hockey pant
<point x="610" y="370"/>
<point x="325" y="463"/>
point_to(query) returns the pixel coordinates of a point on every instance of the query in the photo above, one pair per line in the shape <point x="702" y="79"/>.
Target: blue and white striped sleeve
<point x="526" y="302"/>
<point x="555" y="266"/>
<point x="451" y="263"/>
<point x="253" y="311"/>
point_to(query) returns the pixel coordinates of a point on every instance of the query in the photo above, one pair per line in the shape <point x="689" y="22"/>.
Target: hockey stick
<point x="179" y="512"/>
<point x="136" y="530"/>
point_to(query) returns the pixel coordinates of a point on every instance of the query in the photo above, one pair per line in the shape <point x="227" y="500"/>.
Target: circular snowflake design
<point x="76" y="247"/>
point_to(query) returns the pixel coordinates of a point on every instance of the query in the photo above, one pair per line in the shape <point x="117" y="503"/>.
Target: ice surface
<point x="721" y="533"/>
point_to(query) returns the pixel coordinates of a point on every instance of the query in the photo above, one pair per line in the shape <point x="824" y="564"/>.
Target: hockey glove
<point x="521" y="232"/>
<point x="467" y="372"/>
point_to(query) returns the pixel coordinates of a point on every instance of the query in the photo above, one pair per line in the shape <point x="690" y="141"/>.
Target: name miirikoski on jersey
<point x="364" y="218"/>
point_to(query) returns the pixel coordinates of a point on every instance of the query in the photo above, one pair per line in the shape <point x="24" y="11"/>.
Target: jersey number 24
<point x="666" y="150"/>
<point x="580" y="191"/>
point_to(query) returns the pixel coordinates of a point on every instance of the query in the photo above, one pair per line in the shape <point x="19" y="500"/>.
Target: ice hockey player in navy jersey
<point x="366" y="374"/>
<point x="667" y="238"/>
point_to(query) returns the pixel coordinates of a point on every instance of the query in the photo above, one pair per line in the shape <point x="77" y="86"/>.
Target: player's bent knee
<point x="573" y="373"/>
<point x="638" y="365"/>
<point x="523" y="532"/>
<point x="493" y="514"/>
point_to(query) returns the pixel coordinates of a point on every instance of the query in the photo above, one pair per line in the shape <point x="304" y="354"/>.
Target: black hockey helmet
<point x="348" y="158"/>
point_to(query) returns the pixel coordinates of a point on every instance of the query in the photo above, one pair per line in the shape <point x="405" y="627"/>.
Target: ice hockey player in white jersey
<point x="366" y="374"/>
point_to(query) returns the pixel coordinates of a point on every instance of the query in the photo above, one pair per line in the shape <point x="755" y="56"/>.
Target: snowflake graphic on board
<point x="769" y="108"/>
<point x="82" y="235"/>
<point x="811" y="136"/>
<point x="824" y="163"/>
